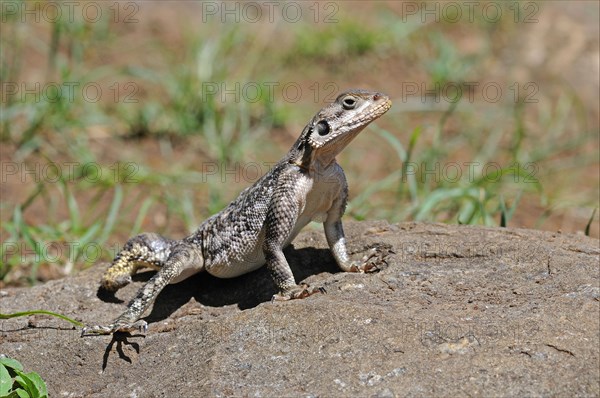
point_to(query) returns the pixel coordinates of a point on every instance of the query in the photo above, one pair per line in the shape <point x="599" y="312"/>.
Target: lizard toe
<point x="297" y="292"/>
<point x="374" y="260"/>
<point x="139" y="326"/>
<point x="96" y="330"/>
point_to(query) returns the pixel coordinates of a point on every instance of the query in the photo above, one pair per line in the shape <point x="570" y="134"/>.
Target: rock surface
<point x="458" y="311"/>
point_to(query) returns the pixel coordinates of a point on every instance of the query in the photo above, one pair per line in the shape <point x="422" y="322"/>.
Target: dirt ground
<point x="458" y="311"/>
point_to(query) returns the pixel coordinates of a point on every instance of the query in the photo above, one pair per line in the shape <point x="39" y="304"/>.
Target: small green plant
<point x="14" y="383"/>
<point x="344" y="40"/>
<point x="41" y="312"/>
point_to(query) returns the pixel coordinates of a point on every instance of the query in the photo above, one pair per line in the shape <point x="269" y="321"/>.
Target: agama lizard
<point x="306" y="185"/>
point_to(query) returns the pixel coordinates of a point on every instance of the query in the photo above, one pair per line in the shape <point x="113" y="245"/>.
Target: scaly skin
<point x="306" y="185"/>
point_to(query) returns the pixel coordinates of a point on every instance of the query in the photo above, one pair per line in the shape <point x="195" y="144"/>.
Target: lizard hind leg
<point x="147" y="250"/>
<point x="183" y="257"/>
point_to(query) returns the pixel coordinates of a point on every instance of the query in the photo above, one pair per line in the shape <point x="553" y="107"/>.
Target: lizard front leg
<point x="284" y="278"/>
<point x="334" y="233"/>
<point x="281" y="218"/>
<point x="183" y="257"/>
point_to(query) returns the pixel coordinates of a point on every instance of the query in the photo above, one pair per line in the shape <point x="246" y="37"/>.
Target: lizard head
<point x="334" y="126"/>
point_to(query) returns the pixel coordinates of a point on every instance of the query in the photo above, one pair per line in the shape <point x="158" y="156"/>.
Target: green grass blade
<point x="393" y="141"/>
<point x="502" y="212"/>
<point x="137" y="225"/>
<point x="589" y="224"/>
<point x="41" y="312"/>
<point x="112" y="214"/>
<point x="73" y="208"/>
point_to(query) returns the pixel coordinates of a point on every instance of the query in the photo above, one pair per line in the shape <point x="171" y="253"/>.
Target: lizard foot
<point x="374" y="260"/>
<point x="139" y="326"/>
<point x="112" y="285"/>
<point x="297" y="292"/>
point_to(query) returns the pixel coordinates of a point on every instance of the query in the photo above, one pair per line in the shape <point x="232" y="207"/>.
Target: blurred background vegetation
<point x="122" y="117"/>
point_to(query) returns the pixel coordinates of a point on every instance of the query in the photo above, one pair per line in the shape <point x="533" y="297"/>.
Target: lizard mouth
<point x="343" y="138"/>
<point x="383" y="107"/>
<point x="375" y="112"/>
<point x="336" y="127"/>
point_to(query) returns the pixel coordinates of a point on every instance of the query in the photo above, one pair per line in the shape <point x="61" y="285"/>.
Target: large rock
<point x="458" y="311"/>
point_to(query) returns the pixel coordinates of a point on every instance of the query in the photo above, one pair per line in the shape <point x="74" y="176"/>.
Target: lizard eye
<point x="349" y="103"/>
<point x="323" y="127"/>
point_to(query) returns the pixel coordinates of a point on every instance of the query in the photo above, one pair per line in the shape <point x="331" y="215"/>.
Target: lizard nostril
<point x="376" y="97"/>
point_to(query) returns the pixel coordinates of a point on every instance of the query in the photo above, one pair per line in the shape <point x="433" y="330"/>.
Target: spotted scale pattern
<point x="307" y="184"/>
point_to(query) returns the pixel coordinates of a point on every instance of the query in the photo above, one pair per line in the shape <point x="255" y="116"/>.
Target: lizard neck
<point x="302" y="154"/>
<point x="309" y="158"/>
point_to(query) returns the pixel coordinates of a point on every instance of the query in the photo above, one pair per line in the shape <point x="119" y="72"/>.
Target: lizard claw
<point x="140" y="326"/>
<point x="365" y="268"/>
<point x="297" y="292"/>
<point x="373" y="260"/>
